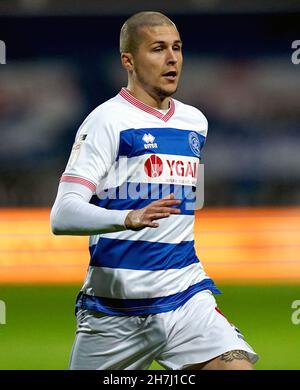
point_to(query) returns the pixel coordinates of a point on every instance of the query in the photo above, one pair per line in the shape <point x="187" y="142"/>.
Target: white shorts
<point x="194" y="333"/>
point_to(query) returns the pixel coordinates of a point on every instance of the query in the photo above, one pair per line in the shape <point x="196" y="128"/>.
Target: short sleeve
<point x="93" y="152"/>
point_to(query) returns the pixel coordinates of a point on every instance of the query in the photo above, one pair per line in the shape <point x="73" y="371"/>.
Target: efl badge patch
<point x="76" y="149"/>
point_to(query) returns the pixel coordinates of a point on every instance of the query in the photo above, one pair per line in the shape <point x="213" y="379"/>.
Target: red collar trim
<point x="150" y="110"/>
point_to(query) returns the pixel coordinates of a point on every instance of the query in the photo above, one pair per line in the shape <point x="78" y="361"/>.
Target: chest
<point x="161" y="155"/>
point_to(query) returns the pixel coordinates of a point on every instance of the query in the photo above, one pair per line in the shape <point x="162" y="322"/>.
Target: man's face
<point x="158" y="61"/>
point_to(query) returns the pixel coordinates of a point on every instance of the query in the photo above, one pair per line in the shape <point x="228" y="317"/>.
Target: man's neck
<point x="147" y="98"/>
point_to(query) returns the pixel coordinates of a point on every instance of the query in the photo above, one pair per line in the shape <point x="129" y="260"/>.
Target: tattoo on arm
<point x="232" y="355"/>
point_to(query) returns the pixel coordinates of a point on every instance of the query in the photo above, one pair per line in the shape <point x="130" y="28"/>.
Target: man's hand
<point x="147" y="216"/>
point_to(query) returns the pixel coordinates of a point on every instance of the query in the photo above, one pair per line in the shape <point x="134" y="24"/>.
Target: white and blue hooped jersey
<point x="130" y="154"/>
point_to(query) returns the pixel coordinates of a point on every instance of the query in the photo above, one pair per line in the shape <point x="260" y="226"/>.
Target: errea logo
<point x="149" y="141"/>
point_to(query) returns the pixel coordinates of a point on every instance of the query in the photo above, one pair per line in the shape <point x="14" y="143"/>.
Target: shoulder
<point x="104" y="118"/>
<point x="192" y="113"/>
<point x="106" y="112"/>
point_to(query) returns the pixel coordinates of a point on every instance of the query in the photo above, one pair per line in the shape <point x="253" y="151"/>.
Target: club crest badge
<point x="194" y="143"/>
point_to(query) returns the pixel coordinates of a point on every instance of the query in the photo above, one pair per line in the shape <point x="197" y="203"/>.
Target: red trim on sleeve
<point x="219" y="311"/>
<point x="150" y="110"/>
<point x="79" y="180"/>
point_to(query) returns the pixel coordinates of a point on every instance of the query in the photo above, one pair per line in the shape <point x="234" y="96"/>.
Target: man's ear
<point x="127" y="61"/>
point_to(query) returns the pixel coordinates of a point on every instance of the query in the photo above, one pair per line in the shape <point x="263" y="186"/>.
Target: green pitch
<point x="40" y="324"/>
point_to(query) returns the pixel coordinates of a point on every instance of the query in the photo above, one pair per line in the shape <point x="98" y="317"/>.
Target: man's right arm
<point x="72" y="214"/>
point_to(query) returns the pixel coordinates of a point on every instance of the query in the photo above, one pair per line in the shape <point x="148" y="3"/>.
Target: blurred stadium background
<point x="62" y="61"/>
